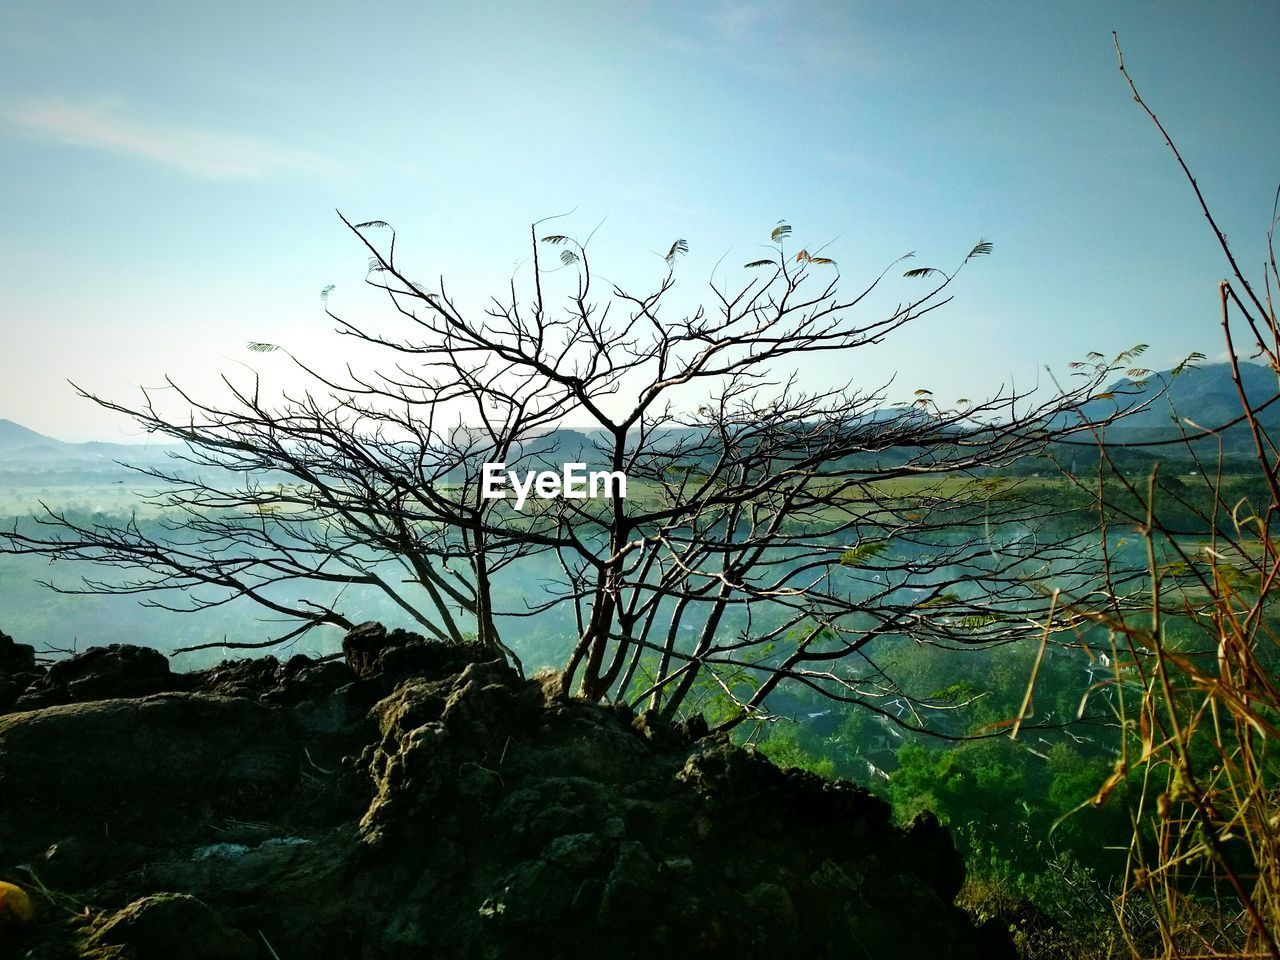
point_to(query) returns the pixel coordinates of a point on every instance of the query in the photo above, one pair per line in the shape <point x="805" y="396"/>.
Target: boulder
<point x="16" y="657"/>
<point x="18" y="670"/>
<point x="167" y="926"/>
<point x="101" y="673"/>
<point x="372" y="651"/>
<point x="126" y="768"/>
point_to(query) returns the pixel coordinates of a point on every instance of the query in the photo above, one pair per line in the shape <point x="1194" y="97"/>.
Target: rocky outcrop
<point x="167" y="926"/>
<point x="18" y="670"/>
<point x="169" y="763"/>
<point x="417" y="800"/>
<point x="98" y="673"/>
<point x="16" y="658"/>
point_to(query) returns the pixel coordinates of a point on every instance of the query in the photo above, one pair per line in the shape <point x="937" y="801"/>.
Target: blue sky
<point x="170" y="171"/>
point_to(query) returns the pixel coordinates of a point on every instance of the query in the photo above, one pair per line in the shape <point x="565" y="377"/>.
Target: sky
<point x="169" y="173"/>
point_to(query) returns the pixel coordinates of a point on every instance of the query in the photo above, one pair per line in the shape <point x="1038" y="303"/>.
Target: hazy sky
<point x="171" y="170"/>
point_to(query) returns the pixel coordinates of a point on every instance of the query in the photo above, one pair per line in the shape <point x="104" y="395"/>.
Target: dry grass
<point x="1200" y="720"/>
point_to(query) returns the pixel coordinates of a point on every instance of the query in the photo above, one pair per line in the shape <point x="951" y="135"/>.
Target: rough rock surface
<point x="98" y="673"/>
<point x="167" y="926"/>
<point x="416" y="800"/>
<point x="18" y="669"/>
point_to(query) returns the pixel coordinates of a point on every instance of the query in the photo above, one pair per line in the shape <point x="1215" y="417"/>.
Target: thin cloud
<point x="207" y="154"/>
<point x="733" y="18"/>
<point x="774" y="39"/>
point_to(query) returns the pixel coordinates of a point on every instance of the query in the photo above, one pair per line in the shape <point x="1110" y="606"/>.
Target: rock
<point x="371" y="651"/>
<point x="929" y="844"/>
<point x="166" y="926"/>
<point x="693" y="728"/>
<point x="126" y="768"/>
<point x="240" y="678"/>
<point x="773" y="904"/>
<point x="300" y="680"/>
<point x="584" y="821"/>
<point x="10" y="690"/>
<point x="101" y="673"/>
<point x="72" y="861"/>
<point x="421" y="799"/>
<point x="363" y="646"/>
<point x="18" y="670"/>
<point x="16" y="657"/>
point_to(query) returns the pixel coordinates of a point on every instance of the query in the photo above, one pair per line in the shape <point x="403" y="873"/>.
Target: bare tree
<point x="775" y="529"/>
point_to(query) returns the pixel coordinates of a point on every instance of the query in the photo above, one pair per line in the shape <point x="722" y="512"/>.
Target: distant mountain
<point x="1196" y="399"/>
<point x="1206" y="396"/>
<point x="14" y="436"/>
<point x="23" y="447"/>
